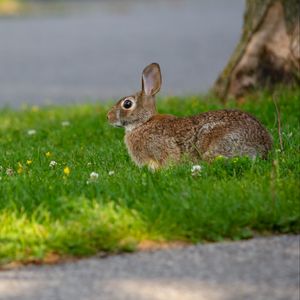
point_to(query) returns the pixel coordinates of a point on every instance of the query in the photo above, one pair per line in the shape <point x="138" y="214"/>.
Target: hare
<point x="157" y="140"/>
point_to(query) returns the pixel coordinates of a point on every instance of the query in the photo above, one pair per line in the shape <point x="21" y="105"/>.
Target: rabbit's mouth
<point x="116" y="124"/>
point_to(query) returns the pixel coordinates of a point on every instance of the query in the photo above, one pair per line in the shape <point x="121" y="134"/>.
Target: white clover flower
<point x="31" y="132"/>
<point x="9" y="172"/>
<point x="52" y="164"/>
<point x="196" y="168"/>
<point x="65" y="123"/>
<point x="94" y="176"/>
<point x="111" y="173"/>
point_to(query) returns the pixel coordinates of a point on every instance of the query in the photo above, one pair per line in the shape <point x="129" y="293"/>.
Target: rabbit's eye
<point x="127" y="104"/>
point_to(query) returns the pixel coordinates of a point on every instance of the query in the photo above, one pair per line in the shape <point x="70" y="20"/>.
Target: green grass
<point x="44" y="211"/>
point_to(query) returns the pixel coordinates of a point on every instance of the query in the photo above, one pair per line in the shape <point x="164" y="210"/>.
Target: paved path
<point x="98" y="50"/>
<point x="258" y="269"/>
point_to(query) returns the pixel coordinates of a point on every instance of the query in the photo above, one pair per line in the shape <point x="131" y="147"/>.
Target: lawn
<point x="51" y="206"/>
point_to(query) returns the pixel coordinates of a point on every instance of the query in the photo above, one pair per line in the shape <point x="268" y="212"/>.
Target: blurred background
<point x="77" y="51"/>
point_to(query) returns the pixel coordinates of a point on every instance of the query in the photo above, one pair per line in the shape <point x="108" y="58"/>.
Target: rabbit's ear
<point x="151" y="79"/>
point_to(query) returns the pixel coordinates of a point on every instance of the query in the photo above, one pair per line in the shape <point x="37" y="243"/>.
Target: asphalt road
<point x="258" y="269"/>
<point x="98" y="50"/>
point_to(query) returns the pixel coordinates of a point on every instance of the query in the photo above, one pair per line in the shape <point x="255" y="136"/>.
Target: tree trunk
<point x="268" y="52"/>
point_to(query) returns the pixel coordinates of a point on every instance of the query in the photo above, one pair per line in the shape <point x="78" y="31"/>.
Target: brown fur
<point x="158" y="140"/>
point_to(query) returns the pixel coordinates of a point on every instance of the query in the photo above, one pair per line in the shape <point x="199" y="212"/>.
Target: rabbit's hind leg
<point x="231" y="145"/>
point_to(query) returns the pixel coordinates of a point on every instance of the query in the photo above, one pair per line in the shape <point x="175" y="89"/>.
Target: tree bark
<point x="268" y="52"/>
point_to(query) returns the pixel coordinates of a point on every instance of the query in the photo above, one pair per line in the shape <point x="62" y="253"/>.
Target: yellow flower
<point x="29" y="162"/>
<point x="67" y="170"/>
<point x="20" y="168"/>
<point x="35" y="108"/>
<point x="48" y="154"/>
